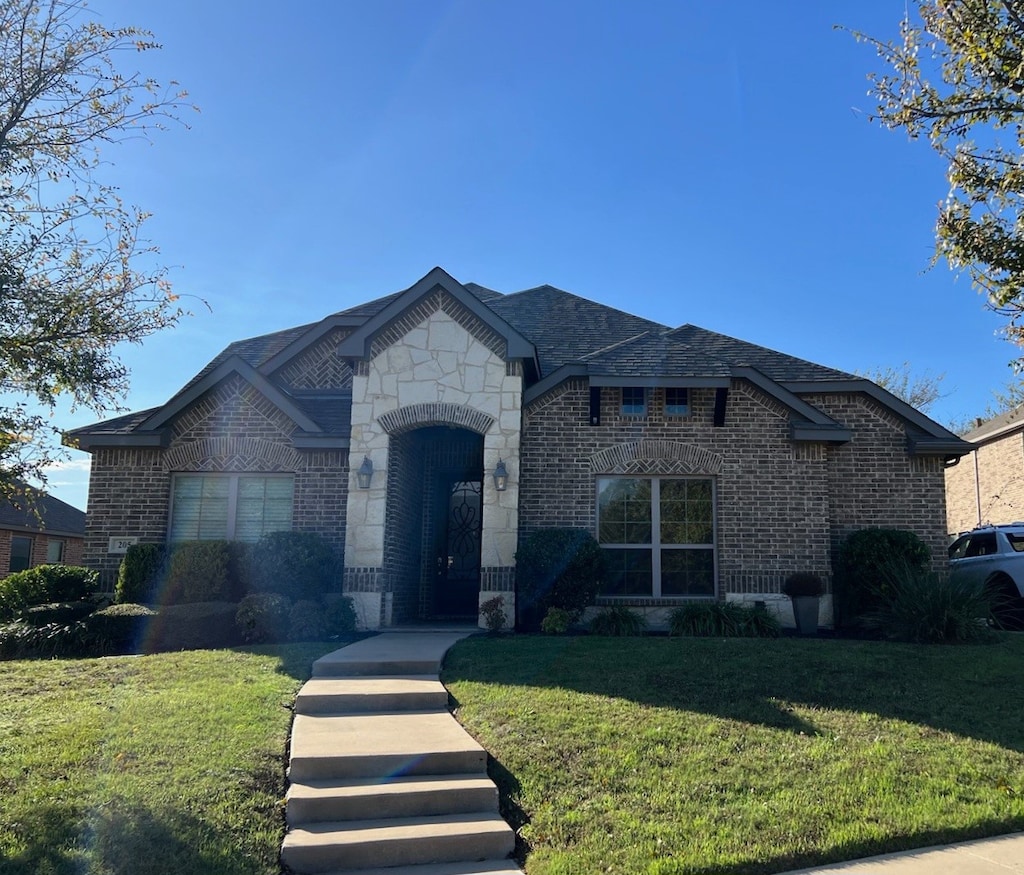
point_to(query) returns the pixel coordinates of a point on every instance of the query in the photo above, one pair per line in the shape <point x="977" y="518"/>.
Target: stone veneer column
<point x="437" y="365"/>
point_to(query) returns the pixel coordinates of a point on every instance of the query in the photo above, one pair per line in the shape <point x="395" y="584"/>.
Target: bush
<point x="139" y="574"/>
<point x="618" y="620"/>
<point x="199" y="571"/>
<point x="57" y="613"/>
<point x="306" y="622"/>
<point x="557" y="568"/>
<point x="299" y="565"/>
<point x="42" y="585"/>
<point x="708" y="619"/>
<point x="263" y="617"/>
<point x="194" y="626"/>
<point x="925" y="608"/>
<point x="557" y="621"/>
<point x="865" y="563"/>
<point x="803" y="584"/>
<point x="340" y="616"/>
<point x="118" y="629"/>
<point x="494" y="614"/>
<point x="18" y="640"/>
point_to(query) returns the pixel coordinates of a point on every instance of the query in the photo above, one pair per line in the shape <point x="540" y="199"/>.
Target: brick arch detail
<point x="231" y="454"/>
<point x="436" y="413"/>
<point x="655" y="457"/>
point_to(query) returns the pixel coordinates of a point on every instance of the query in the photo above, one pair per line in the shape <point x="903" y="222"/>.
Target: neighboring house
<point x="426" y="432"/>
<point x="38" y="529"/>
<point x="987" y="487"/>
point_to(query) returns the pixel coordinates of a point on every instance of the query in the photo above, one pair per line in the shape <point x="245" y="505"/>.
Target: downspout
<point x="977" y="486"/>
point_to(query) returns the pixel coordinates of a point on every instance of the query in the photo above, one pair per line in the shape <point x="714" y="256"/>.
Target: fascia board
<point x="809" y="431"/>
<point x="320" y="442"/>
<point x="233" y="365"/>
<point x="314" y="334"/>
<point x="565" y="372"/>
<point x="59" y="533"/>
<point x="928" y="446"/>
<point x="357" y="344"/>
<point x="661" y="381"/>
<point x="784" y="396"/>
<point x="88" y="442"/>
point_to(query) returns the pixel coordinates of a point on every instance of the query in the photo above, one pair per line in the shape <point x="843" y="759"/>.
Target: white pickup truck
<point x="993" y="557"/>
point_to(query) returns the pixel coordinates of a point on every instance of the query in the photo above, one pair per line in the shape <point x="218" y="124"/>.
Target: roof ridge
<point x="611" y="346"/>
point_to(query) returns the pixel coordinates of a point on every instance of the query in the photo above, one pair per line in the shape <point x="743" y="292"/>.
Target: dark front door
<point x="457" y="586"/>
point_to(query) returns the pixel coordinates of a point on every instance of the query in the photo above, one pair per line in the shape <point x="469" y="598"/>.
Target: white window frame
<point x="656" y="546"/>
<point x="232" y="512"/>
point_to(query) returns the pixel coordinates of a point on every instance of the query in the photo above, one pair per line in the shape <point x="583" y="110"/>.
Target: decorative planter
<point x="805" y="612"/>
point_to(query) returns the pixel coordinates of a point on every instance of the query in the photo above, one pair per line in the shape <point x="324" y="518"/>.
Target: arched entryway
<point x="433" y="523"/>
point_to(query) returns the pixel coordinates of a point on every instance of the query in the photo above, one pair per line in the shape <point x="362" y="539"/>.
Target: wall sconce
<point x="501" y="476"/>
<point x="364" y="473"/>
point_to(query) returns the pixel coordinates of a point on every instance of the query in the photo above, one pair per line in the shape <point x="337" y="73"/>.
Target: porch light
<point x="364" y="473"/>
<point x="501" y="476"/>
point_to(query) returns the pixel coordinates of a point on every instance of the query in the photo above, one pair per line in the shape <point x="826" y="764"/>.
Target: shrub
<point x="306" y="622"/>
<point x="340" y="616"/>
<point x="194" y="626"/>
<point x="494" y="614"/>
<point x="299" y="565"/>
<point x="18" y="640"/>
<point x="59" y="613"/>
<point x="925" y="608"/>
<point x="802" y="584"/>
<point x="557" y="621"/>
<point x="42" y="585"/>
<point x="118" y="629"/>
<point x="139" y="574"/>
<point x="262" y="617"/>
<point x="198" y="571"/>
<point x="618" y="620"/>
<point x="864" y="566"/>
<point x="557" y="568"/>
<point x="708" y="619"/>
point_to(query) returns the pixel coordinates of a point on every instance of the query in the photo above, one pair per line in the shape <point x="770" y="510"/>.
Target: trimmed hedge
<point x="866" y="564"/>
<point x="263" y="617"/>
<point x="42" y="585"/>
<point x="299" y="565"/>
<point x="199" y="571"/>
<point x="139" y="575"/>
<point x="557" y="568"/>
<point x="118" y="629"/>
<point x="194" y="626"/>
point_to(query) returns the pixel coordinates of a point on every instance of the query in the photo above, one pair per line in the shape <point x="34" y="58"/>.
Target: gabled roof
<point x="998" y="426"/>
<point x="39" y="512"/>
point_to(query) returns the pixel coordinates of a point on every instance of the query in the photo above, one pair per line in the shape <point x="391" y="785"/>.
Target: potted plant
<point x="805" y="590"/>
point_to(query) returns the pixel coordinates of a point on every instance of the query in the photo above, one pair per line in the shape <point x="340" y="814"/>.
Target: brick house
<point x="987" y="487"/>
<point x="425" y="432"/>
<point x="39" y="530"/>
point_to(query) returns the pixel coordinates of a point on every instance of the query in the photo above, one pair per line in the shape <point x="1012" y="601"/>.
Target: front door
<point x="457" y="586"/>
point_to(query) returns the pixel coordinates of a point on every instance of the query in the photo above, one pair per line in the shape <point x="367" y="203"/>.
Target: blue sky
<point x="694" y="162"/>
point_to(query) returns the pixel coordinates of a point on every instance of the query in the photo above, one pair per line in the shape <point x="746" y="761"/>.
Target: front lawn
<point x="147" y="764"/>
<point x="666" y="756"/>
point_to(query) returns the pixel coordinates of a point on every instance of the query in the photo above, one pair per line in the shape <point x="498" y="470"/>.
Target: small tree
<point x="557" y="568"/>
<point x="76" y="277"/>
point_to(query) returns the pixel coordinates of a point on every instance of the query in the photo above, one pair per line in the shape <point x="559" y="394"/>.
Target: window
<point x="677" y="402"/>
<point x="659" y="533"/>
<point x="634" y="401"/>
<point x="21" y="553"/>
<point x="237" y="507"/>
<point x="54" y="551"/>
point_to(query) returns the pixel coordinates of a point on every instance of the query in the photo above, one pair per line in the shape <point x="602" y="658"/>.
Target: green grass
<point x="665" y="756"/>
<point x="147" y="764"/>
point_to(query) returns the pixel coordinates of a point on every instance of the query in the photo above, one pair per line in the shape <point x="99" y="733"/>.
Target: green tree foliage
<point x="956" y="78"/>
<point x="76" y="276"/>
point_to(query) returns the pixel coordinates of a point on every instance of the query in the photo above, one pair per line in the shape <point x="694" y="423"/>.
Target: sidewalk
<point x="999" y="856"/>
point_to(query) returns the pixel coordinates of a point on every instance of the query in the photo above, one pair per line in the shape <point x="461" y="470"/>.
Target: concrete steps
<point x="383" y="779"/>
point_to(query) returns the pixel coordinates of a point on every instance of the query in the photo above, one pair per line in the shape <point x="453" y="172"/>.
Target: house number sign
<point x="121" y="544"/>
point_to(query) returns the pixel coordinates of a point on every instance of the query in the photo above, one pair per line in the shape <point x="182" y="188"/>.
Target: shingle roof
<point x="565" y="327"/>
<point x="42" y="512"/>
<point x="331" y="411"/>
<point x="1009" y="421"/>
<point x="118" y="425"/>
<point x="655" y="353"/>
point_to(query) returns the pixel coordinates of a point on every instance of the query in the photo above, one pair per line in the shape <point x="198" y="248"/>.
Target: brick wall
<point x="40" y="547"/>
<point x="987" y="486"/>
<point x="781" y="506"/>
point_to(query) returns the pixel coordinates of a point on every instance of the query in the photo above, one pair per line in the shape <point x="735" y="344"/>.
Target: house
<point x="987" y="487"/>
<point x="424" y="433"/>
<point x="38" y="529"/>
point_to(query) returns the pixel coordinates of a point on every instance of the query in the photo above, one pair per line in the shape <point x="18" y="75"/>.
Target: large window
<point x="659" y="533"/>
<point x="237" y="507"/>
<point x="21" y="553"/>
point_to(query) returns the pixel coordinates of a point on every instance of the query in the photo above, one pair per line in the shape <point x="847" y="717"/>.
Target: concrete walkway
<point x="383" y="778"/>
<point x="999" y="856"/>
